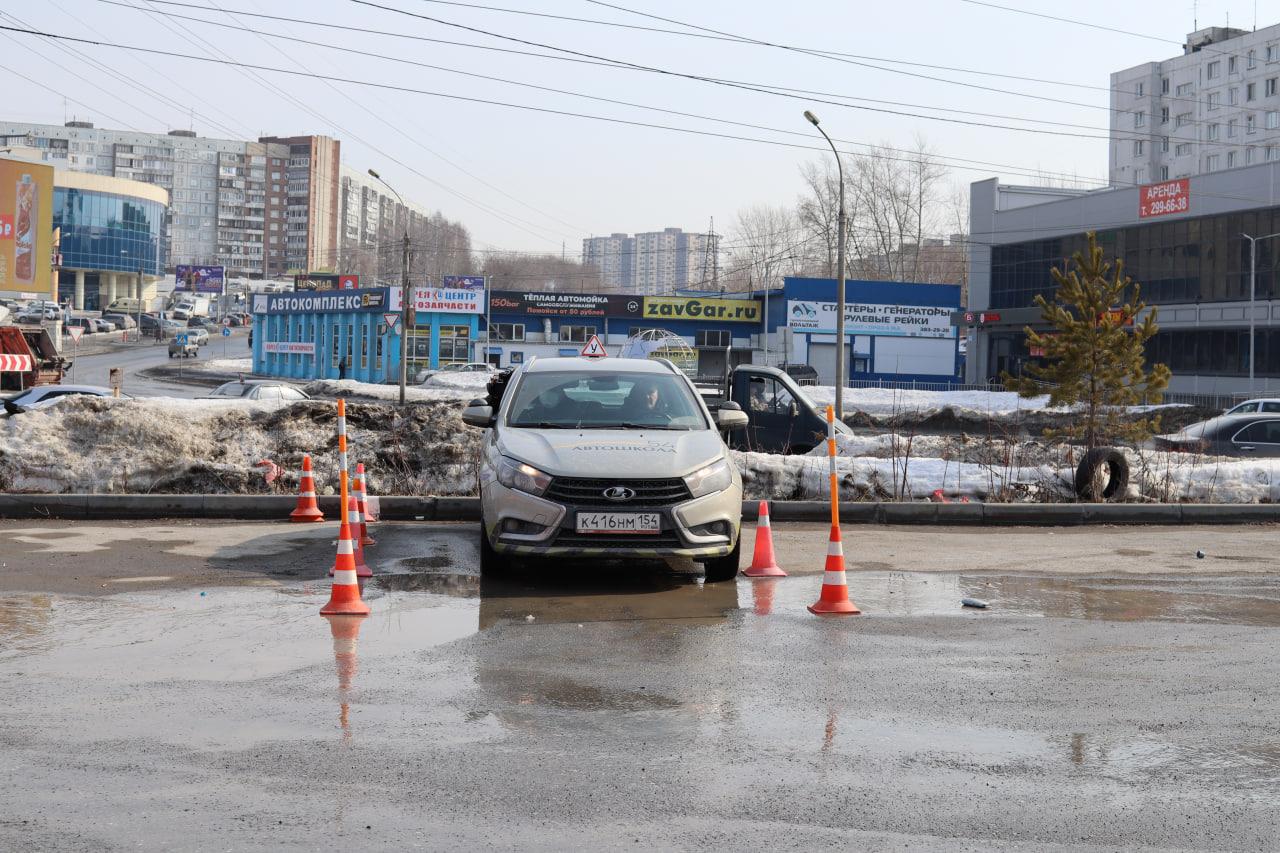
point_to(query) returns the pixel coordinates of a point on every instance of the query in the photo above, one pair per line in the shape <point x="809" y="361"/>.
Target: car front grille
<point x="571" y="539"/>
<point x="590" y="492"/>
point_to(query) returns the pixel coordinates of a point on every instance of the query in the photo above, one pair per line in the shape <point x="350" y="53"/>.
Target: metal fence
<point x="919" y="386"/>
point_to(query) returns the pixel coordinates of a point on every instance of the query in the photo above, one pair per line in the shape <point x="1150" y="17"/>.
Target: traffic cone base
<point x="307" y="509"/>
<point x="763" y="562"/>
<point x="834" y="598"/>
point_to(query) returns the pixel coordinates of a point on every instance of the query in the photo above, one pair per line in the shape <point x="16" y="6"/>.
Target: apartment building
<point x="372" y="224"/>
<point x="1214" y="107"/>
<point x="231" y="202"/>
<point x="655" y="262"/>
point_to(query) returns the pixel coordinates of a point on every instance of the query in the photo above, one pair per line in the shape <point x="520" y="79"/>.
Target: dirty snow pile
<point x="224" y="365"/>
<point x="91" y="444"/>
<point x="350" y="388"/>
<point x="897" y="467"/>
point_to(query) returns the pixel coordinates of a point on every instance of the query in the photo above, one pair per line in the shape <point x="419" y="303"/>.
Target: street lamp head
<point x="375" y="174"/>
<point x="813" y="119"/>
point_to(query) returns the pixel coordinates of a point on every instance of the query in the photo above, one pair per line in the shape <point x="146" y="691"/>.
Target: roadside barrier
<point x="344" y="597"/>
<point x="834" y="598"/>
<point x="365" y="538"/>
<point x="763" y="562"/>
<point x="307" y="509"/>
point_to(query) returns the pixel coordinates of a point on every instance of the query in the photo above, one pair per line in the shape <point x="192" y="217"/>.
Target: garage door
<point x="823" y="359"/>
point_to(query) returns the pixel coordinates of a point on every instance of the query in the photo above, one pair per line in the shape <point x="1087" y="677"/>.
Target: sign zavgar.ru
<point x="683" y="308"/>
<point x="902" y="321"/>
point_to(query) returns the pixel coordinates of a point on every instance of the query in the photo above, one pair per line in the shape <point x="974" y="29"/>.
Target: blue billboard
<point x="198" y="279"/>
<point x="464" y="282"/>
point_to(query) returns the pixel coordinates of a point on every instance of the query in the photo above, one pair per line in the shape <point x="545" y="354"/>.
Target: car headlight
<point x="715" y="477"/>
<point x="522" y="477"/>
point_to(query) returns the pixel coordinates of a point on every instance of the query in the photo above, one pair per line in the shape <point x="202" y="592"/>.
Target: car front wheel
<point x="724" y="568"/>
<point x="492" y="564"/>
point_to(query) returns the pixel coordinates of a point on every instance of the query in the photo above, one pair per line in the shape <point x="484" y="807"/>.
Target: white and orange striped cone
<point x="834" y="600"/>
<point x="353" y="521"/>
<point x="365" y="538"/>
<point x="344" y="598"/>
<point x="366" y="509"/>
<point x="345" y="595"/>
<point x="763" y="563"/>
<point x="307" y="509"/>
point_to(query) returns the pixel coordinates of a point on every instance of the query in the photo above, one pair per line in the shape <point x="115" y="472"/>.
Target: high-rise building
<point x="655" y="262"/>
<point x="231" y="202"/>
<point x="1215" y="107"/>
<point x="372" y="225"/>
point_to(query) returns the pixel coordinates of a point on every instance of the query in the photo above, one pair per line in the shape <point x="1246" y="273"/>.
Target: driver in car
<point x="644" y="402"/>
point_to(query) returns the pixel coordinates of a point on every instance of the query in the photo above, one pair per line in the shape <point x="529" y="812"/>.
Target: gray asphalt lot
<point x="171" y="686"/>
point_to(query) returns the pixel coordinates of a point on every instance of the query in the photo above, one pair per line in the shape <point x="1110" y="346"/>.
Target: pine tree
<point x="1096" y="353"/>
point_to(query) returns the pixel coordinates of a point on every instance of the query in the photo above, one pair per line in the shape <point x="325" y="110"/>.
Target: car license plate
<point x="619" y="522"/>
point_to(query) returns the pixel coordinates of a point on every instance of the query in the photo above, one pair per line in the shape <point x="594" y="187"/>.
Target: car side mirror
<point x="731" y="416"/>
<point x="795" y="411"/>
<point x="478" y="413"/>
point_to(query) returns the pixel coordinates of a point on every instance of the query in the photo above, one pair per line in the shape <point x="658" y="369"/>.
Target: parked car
<point x="803" y="374"/>
<point x="200" y="323"/>
<point x="121" y="321"/>
<point x="614" y="457"/>
<point x="44" y="396"/>
<point x="197" y="334"/>
<point x="1258" y="405"/>
<point x="468" y="367"/>
<point x="260" y="390"/>
<point x="182" y="345"/>
<point x="125" y="306"/>
<point x="34" y="316"/>
<point x="1255" y="434"/>
<point x="103" y="325"/>
<point x="89" y="324"/>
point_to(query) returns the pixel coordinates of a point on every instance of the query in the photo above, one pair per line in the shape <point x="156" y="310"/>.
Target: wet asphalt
<point x="170" y="686"/>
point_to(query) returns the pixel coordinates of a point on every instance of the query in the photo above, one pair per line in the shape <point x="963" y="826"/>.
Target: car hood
<point x="656" y="453"/>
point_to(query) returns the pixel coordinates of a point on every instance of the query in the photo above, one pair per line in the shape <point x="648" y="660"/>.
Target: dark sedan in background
<point x="1228" y="435"/>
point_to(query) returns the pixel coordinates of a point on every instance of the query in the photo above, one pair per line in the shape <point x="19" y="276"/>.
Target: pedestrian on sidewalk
<point x="342" y="368"/>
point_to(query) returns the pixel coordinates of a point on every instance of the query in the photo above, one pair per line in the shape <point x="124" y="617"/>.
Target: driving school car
<point x="608" y="458"/>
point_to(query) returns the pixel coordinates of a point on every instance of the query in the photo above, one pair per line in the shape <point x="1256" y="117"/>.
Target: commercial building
<point x="109" y="231"/>
<point x="1183" y="241"/>
<point x="898" y="331"/>
<point x="718" y="332"/>
<point x="259" y="208"/>
<point x="328" y="334"/>
<point x="1214" y="107"/>
<point x="655" y="262"/>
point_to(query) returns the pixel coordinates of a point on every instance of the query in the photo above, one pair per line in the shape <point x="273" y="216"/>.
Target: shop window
<point x="455" y="344"/>
<point x="378" y="354"/>
<point x="576" y="334"/>
<point x="364" y="346"/>
<point x="719" y="338"/>
<point x="350" y="341"/>
<point x="507" y="331"/>
<point x="335" y="344"/>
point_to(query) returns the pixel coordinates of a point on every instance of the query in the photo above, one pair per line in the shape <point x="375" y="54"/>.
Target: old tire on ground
<point x="724" y="568"/>
<point x="1103" y="475"/>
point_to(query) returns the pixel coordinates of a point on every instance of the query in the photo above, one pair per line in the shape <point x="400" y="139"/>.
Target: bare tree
<point x="765" y="246"/>
<point x="519" y="271"/>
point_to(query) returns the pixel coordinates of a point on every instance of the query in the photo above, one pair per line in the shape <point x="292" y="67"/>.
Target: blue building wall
<point x="862" y="347"/>
<point x="106" y="231"/>
<point x="357" y="336"/>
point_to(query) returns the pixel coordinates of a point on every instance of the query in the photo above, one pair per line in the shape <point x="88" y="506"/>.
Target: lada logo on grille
<point x="619" y="493"/>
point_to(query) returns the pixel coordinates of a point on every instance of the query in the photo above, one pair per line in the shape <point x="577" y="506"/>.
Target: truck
<point x="28" y="357"/>
<point x="781" y="417"/>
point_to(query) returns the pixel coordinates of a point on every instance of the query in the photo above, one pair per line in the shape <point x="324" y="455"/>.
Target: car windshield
<point x="599" y="400"/>
<point x="232" y="389"/>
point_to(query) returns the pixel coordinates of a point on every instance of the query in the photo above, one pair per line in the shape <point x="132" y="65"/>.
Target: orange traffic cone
<point x="763" y="563"/>
<point x="365" y="538"/>
<point x="345" y="599"/>
<point x="365" y="509"/>
<point x="834" y="599"/>
<point x="353" y="521"/>
<point x="762" y="591"/>
<point x="308" y="509"/>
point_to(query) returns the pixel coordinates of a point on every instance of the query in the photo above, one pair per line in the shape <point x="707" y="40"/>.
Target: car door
<point x="1260" y="438"/>
<point x="773" y="413"/>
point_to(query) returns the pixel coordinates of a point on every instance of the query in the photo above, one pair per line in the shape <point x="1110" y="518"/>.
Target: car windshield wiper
<point x="544" y="425"/>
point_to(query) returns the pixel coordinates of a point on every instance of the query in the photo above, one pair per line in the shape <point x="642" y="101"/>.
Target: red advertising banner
<point x="1164" y="199"/>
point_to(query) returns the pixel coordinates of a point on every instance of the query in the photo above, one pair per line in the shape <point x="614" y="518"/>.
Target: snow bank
<point x="895" y="401"/>
<point x="224" y="365"/>
<point x="370" y="391"/>
<point x="212" y="446"/>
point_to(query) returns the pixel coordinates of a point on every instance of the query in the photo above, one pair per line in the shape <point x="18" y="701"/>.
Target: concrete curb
<point x="278" y="507"/>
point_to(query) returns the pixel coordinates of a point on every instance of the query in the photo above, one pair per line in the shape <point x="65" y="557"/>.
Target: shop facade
<point x="894" y="331"/>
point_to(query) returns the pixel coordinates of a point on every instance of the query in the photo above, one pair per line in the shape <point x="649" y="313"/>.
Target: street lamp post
<point x="1253" y="283"/>
<point x="406" y="301"/>
<point x="840" y="342"/>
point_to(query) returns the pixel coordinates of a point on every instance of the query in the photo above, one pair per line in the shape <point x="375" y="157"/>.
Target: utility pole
<point x="406" y="293"/>
<point x="1253" y="282"/>
<point x="840" y="341"/>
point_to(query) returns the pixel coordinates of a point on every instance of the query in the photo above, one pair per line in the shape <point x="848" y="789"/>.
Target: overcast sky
<point x="529" y="180"/>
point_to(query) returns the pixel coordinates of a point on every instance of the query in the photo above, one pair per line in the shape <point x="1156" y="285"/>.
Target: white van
<point x="124" y="306"/>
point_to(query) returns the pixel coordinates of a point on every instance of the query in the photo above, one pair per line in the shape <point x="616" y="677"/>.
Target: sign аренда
<point x="1165" y="198"/>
